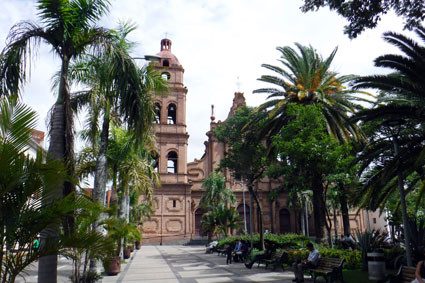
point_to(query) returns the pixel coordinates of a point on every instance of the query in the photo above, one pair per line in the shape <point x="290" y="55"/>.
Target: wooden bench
<point x="329" y="268"/>
<point x="277" y="259"/>
<point x="404" y="274"/>
<point x="221" y="250"/>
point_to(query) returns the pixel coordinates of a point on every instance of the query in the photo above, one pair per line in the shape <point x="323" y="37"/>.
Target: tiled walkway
<point x="190" y="264"/>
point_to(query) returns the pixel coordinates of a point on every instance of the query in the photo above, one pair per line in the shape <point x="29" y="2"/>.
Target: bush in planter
<point x="112" y="265"/>
<point x="119" y="230"/>
<point x="369" y="241"/>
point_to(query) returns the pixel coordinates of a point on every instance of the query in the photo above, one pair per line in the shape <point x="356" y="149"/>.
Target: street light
<point x="306" y="214"/>
<point x="151" y="58"/>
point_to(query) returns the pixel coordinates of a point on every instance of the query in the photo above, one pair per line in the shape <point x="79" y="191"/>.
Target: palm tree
<point x="216" y="192"/>
<point x="398" y="116"/>
<point x="114" y="79"/>
<point x="27" y="185"/>
<point x="306" y="79"/>
<point x="69" y="27"/>
<point x="219" y="201"/>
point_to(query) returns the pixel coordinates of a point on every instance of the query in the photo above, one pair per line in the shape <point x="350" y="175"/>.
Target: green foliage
<point x="366" y="14"/>
<point x="294" y="245"/>
<point x="305" y="150"/>
<point x="290" y="240"/>
<point x="246" y="152"/>
<point x="29" y="202"/>
<point x="119" y="229"/>
<point x="303" y="145"/>
<point x="220" y="202"/>
<point x="306" y="78"/>
<point x="398" y="113"/>
<point x="140" y="212"/>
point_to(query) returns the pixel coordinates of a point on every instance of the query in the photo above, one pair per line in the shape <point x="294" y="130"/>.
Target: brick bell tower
<point x="172" y="200"/>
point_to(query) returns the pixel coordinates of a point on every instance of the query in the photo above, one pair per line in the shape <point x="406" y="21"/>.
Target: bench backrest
<point x="407" y="273"/>
<point x="325" y="263"/>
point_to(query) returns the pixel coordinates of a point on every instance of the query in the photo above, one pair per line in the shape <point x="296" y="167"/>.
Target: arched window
<point x="157" y="119"/>
<point x="172" y="162"/>
<point x="284" y="221"/>
<point x="172" y="111"/>
<point x="165" y="76"/>
<point x="165" y="63"/>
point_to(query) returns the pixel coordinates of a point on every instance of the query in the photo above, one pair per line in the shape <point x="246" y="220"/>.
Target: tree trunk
<point x="123" y="205"/>
<point x="100" y="179"/>
<point x="47" y="265"/>
<point x="335" y="225"/>
<point x="344" y="212"/>
<point x="260" y="216"/>
<point x="114" y="193"/>
<point x="318" y="208"/>
<point x="403" y="206"/>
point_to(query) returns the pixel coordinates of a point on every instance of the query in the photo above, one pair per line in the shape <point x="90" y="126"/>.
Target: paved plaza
<point x="184" y="264"/>
<point x="190" y="264"/>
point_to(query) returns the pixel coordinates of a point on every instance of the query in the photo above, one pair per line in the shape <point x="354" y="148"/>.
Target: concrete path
<point x="190" y="264"/>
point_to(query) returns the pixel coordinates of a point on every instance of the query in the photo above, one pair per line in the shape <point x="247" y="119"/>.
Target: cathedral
<point x="177" y="213"/>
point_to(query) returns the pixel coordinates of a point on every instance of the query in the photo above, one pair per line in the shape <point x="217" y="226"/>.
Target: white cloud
<point x="216" y="42"/>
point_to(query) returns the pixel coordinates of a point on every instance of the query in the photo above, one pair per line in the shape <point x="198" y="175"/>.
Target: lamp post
<point x="244" y="208"/>
<point x="251" y="220"/>
<point x="306" y="214"/>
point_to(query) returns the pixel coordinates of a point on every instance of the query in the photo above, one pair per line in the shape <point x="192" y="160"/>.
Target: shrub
<point x="283" y="241"/>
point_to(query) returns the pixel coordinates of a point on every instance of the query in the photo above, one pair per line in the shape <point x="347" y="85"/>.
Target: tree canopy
<point x="363" y="14"/>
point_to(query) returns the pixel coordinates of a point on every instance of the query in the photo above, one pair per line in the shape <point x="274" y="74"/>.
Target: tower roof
<point x="166" y="54"/>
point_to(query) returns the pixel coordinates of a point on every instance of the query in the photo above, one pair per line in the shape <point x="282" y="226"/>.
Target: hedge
<point x="286" y="241"/>
<point x="294" y="245"/>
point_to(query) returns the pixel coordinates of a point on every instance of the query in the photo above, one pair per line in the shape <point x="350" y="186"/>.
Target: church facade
<point x="177" y="213"/>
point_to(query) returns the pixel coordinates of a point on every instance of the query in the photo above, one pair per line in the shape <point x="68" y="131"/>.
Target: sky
<point x="221" y="45"/>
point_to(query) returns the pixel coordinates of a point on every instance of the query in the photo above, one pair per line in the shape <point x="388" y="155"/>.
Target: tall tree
<point x="306" y="79"/>
<point x="112" y="79"/>
<point x="366" y="14"/>
<point x="220" y="203"/>
<point x="399" y="116"/>
<point x="69" y="28"/>
<point x="307" y="154"/>
<point x="245" y="156"/>
<point x="27" y="184"/>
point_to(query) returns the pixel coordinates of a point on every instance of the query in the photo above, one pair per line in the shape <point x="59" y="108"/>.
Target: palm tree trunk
<point x="123" y="204"/>
<point x="114" y="193"/>
<point x="47" y="265"/>
<point x="100" y="179"/>
<point x="60" y="148"/>
<point x="403" y="207"/>
<point x="344" y="212"/>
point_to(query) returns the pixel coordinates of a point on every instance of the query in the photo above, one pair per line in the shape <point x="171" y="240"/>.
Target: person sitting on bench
<point x="311" y="262"/>
<point x="266" y="255"/>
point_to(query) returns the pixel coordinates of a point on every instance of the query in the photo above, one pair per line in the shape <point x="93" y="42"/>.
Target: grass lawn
<point x="355" y="276"/>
